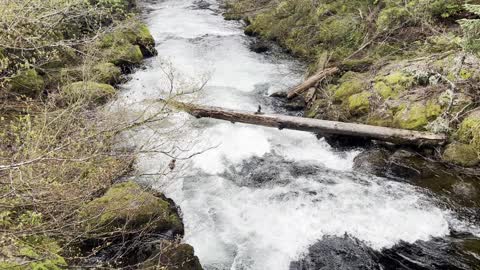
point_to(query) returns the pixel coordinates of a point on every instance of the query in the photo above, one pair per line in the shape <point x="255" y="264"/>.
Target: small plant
<point x="471" y="29"/>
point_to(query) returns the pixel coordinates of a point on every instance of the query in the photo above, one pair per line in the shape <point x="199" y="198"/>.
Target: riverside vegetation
<point x="62" y="203"/>
<point x="404" y="64"/>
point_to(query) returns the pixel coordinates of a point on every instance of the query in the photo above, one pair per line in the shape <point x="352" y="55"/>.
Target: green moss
<point x="461" y="154"/>
<point x="466" y="74"/>
<point x="88" y="92"/>
<point x="128" y="46"/>
<point x="124" y="55"/>
<point x="417" y="115"/>
<point x="469" y="130"/>
<point x="393" y="84"/>
<point x="359" y="103"/>
<point x="106" y="73"/>
<point x="128" y="206"/>
<point x="34" y="252"/>
<point x="348" y="88"/>
<point x="383" y="89"/>
<point x="391" y="17"/>
<point x="27" y="82"/>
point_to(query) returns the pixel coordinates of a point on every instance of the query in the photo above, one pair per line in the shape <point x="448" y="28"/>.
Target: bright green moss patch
<point x="27" y="82"/>
<point x="461" y="154"/>
<point x="127" y="206"/>
<point x="348" y="88"/>
<point x="417" y="116"/>
<point x="469" y="130"/>
<point x="359" y="103"/>
<point x="393" y="84"/>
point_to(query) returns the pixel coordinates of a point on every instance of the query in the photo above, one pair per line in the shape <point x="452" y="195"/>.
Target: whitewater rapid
<point x="258" y="197"/>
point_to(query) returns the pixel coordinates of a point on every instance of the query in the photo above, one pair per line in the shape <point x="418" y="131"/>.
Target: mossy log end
<point x="324" y="127"/>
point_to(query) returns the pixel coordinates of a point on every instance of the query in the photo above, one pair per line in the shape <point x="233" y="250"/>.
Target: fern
<point x="471" y="30"/>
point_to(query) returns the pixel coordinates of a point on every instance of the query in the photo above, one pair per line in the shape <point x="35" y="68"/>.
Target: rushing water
<point x="258" y="198"/>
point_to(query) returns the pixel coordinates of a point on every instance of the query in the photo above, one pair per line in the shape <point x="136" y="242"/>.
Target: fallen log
<point x="311" y="81"/>
<point x="323" y="127"/>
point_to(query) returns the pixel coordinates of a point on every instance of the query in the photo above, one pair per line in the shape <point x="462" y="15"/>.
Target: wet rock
<point x="372" y="161"/>
<point x="260" y="46"/>
<point x="405" y="164"/>
<point x="297" y="104"/>
<point x="344" y="142"/>
<point x="173" y="256"/>
<point x="332" y="253"/>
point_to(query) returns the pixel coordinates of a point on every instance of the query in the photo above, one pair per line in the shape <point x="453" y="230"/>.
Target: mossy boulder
<point x="32" y="252"/>
<point x="136" y="35"/>
<point x="127" y="206"/>
<point x="106" y="73"/>
<point x="27" y="82"/>
<point x="391" y="17"/>
<point x="461" y="154"/>
<point x="391" y="85"/>
<point x="359" y="103"/>
<point x="469" y="130"/>
<point x="173" y="257"/>
<point x="348" y="88"/>
<point x="417" y="115"/>
<point x="88" y="92"/>
<point x="124" y="54"/>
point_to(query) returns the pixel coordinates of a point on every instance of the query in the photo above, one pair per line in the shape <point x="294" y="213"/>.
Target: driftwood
<point x="323" y="127"/>
<point x="311" y="81"/>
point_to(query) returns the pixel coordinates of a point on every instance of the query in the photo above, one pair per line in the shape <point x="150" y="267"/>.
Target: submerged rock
<point x="337" y="253"/>
<point x="373" y="161"/>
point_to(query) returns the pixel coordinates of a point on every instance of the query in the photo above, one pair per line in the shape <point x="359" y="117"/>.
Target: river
<point x="258" y="198"/>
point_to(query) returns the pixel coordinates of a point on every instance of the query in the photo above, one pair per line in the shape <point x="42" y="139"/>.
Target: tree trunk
<point x="397" y="136"/>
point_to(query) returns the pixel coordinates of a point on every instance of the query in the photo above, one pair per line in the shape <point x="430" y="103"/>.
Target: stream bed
<point x="261" y="198"/>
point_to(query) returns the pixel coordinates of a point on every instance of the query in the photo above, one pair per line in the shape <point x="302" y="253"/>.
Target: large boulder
<point x="27" y="82"/>
<point x="469" y="130"/>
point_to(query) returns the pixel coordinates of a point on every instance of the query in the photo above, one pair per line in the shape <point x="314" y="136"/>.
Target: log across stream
<point x="397" y="136"/>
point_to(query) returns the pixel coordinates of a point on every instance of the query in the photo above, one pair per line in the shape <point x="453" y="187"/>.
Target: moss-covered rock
<point x="461" y="154"/>
<point x="124" y="54"/>
<point x="348" y="88"/>
<point x="88" y="92"/>
<point x="106" y="73"/>
<point x="391" y="17"/>
<point x="173" y="257"/>
<point x="469" y="130"/>
<point x="27" y="82"/>
<point x="120" y="40"/>
<point x="127" y="206"/>
<point x="417" y="115"/>
<point x="393" y="84"/>
<point x="359" y="103"/>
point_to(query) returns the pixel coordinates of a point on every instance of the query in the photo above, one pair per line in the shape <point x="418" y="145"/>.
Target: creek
<point x="261" y="198"/>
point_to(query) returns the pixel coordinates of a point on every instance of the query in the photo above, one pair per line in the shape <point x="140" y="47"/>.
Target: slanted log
<point x="311" y="81"/>
<point x="324" y="127"/>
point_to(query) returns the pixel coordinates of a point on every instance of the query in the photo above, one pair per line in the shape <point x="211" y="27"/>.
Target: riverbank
<point x="404" y="66"/>
<point x="66" y="198"/>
